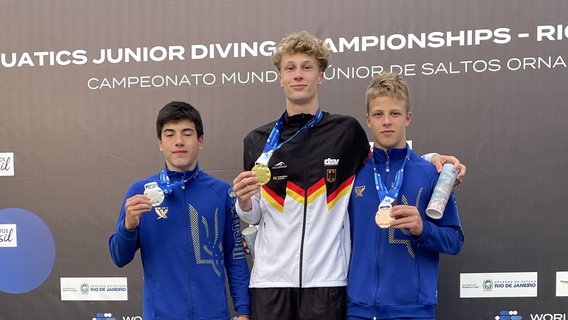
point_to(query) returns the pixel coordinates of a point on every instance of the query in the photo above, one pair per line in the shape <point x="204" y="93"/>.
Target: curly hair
<point x="302" y="42"/>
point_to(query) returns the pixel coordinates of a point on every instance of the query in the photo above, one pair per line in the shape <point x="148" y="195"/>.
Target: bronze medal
<point x="262" y="173"/>
<point x="383" y="218"/>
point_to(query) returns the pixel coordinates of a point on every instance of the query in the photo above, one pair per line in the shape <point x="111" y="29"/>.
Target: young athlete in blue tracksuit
<point x="185" y="224"/>
<point x="394" y="268"/>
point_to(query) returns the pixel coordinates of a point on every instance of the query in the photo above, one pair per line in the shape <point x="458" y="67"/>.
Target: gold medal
<point x="383" y="218"/>
<point x="262" y="173"/>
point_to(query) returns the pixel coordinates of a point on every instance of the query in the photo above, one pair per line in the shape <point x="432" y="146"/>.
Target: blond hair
<point x="388" y="84"/>
<point x="301" y="42"/>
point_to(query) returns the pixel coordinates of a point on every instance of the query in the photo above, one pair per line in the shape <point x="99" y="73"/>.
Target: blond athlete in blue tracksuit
<point x="394" y="270"/>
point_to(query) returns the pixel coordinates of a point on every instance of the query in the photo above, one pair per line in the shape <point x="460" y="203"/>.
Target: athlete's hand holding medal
<point x="154" y="195"/>
<point x="245" y="185"/>
<point x="406" y="217"/>
<point x="248" y="183"/>
<point x="135" y="206"/>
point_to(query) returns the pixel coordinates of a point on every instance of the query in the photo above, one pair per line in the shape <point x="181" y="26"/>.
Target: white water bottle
<point x="442" y="191"/>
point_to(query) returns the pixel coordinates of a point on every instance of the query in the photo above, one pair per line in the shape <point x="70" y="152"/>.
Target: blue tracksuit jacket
<point x="187" y="243"/>
<point x="393" y="274"/>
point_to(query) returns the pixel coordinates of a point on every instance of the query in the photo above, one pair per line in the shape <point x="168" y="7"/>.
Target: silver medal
<point x="153" y="191"/>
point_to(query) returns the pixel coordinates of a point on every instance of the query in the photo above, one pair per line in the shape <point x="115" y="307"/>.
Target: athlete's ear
<point x="201" y="142"/>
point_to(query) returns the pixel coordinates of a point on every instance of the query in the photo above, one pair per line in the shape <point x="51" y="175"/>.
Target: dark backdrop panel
<point x="487" y="85"/>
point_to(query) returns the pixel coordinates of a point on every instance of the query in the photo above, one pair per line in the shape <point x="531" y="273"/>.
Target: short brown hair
<point x="176" y="111"/>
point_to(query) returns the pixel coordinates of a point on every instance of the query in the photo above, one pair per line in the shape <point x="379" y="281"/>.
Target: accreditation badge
<point x="382" y="217"/>
<point x="153" y="191"/>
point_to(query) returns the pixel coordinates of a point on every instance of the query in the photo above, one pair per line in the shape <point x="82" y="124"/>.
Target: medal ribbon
<point x="387" y="195"/>
<point x="271" y="143"/>
<point x="167" y="186"/>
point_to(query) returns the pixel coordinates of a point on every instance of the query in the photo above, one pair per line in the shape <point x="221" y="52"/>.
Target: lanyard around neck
<point x="388" y="196"/>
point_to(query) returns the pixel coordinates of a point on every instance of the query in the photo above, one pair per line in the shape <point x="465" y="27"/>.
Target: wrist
<point x="430" y="156"/>
<point x="130" y="226"/>
<point x="245" y="206"/>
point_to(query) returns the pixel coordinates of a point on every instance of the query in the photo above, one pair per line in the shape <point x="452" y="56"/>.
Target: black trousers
<point x="326" y="303"/>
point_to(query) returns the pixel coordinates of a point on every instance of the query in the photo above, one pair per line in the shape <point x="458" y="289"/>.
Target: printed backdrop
<point x="81" y="83"/>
